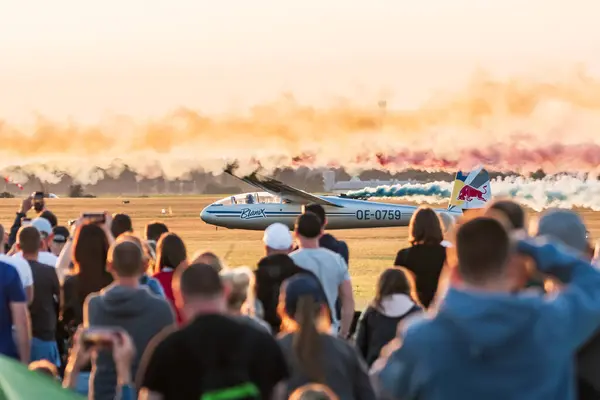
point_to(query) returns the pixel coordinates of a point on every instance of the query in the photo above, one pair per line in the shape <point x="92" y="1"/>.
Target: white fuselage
<point x="351" y="215"/>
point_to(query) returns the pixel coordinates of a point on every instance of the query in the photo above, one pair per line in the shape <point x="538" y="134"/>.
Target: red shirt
<point x="165" y="277"/>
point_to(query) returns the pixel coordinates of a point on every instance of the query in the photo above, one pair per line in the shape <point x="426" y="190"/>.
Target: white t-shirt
<point x="44" y="257"/>
<point x="22" y="267"/>
<point x="329" y="267"/>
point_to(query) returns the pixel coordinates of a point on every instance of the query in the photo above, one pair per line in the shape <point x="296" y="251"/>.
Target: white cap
<point x="278" y="237"/>
<point x="42" y="225"/>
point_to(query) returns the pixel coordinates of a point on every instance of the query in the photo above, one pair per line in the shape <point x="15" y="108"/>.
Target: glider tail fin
<point x="471" y="191"/>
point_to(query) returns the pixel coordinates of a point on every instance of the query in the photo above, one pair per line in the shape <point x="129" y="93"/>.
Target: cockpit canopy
<point x="251" y="198"/>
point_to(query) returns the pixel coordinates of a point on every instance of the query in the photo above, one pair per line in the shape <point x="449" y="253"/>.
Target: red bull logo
<point x="468" y="193"/>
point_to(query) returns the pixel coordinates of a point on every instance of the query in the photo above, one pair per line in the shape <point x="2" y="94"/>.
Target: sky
<point x="143" y="58"/>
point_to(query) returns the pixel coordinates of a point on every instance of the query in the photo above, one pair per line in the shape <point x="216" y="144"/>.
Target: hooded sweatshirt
<point x="483" y="345"/>
<point x="137" y="311"/>
<point x="377" y="326"/>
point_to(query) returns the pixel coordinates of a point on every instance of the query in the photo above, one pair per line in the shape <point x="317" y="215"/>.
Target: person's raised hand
<point x="26" y="205"/>
<point x="78" y="222"/>
<point x="108" y="219"/>
<point x="80" y="354"/>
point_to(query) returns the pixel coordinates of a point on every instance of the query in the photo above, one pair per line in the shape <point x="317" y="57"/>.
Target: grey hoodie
<point x="137" y="311"/>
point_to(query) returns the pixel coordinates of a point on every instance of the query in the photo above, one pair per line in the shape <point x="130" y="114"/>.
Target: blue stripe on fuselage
<point x="291" y="213"/>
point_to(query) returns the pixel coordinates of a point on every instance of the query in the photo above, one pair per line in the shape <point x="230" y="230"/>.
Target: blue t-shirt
<point x="11" y="291"/>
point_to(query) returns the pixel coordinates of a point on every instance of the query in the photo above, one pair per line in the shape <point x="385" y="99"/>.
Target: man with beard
<point x="36" y="202"/>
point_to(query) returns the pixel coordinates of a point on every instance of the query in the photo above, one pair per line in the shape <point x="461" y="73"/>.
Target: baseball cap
<point x="302" y="285"/>
<point x="278" y="237"/>
<point x="61" y="234"/>
<point x="43" y="226"/>
<point x="565" y="226"/>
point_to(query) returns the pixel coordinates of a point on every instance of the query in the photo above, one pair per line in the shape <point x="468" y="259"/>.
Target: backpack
<point x="227" y="377"/>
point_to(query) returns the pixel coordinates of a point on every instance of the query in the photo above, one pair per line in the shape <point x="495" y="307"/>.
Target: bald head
<point x="126" y="259"/>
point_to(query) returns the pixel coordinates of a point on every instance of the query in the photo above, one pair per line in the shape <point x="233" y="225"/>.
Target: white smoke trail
<point x="557" y="191"/>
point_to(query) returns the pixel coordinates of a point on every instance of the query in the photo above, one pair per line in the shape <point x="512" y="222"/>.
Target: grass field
<point x="371" y="250"/>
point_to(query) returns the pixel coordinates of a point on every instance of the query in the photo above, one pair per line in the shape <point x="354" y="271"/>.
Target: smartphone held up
<point x="100" y="338"/>
<point x="94" y="217"/>
<point x="38" y="201"/>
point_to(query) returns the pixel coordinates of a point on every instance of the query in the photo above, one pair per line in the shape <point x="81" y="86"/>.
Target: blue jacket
<point x="499" y="346"/>
<point x="153" y="284"/>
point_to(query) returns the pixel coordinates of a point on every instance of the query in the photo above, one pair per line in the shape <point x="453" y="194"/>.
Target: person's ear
<point x="18" y="246"/>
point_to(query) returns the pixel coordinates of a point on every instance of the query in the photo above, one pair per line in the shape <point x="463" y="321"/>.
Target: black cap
<point x="61" y="234"/>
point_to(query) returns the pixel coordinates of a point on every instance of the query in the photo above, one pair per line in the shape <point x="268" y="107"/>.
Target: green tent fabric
<point x="18" y="383"/>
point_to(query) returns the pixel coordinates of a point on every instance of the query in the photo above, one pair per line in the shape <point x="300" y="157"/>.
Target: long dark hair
<point x="425" y="227"/>
<point x="307" y="340"/>
<point x="309" y="319"/>
<point x="90" y="248"/>
<point x="395" y="280"/>
<point x="170" y="252"/>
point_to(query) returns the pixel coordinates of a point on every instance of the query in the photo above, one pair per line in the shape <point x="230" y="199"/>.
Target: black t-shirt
<point x="426" y="262"/>
<point x="45" y="305"/>
<point x="178" y="361"/>
<point x="271" y="272"/>
<point x="337" y="246"/>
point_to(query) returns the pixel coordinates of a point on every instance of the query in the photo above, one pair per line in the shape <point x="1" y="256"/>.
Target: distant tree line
<point x="128" y="182"/>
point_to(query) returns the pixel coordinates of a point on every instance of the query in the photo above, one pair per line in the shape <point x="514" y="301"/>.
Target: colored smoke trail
<point x="562" y="191"/>
<point x="514" y="125"/>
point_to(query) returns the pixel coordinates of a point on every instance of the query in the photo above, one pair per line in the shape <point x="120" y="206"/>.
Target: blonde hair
<point x="242" y="297"/>
<point x="147" y="258"/>
<point x="209" y="258"/>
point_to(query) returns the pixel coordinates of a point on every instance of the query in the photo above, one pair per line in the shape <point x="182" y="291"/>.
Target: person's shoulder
<point x="166" y="341"/>
<point x="325" y="252"/>
<point x="157" y="303"/>
<point x="70" y="280"/>
<point x="12" y="260"/>
<point x="8" y="271"/>
<point x="340" y="347"/>
<point x="17" y="262"/>
<point x="170" y="336"/>
<point x="420" y="330"/>
<point x="42" y="268"/>
<point x="295" y="253"/>
<point x="370" y="311"/>
<point x="92" y="300"/>
<point x="404" y="250"/>
<point x="334" y="256"/>
<point x="48" y="258"/>
<point x="44" y="265"/>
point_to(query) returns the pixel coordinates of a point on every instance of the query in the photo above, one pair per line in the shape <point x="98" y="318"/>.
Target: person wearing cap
<point x="312" y="353"/>
<point x="61" y="235"/>
<point x="278" y="239"/>
<point x="45" y="229"/>
<point x="568" y="228"/>
<point x="273" y="269"/>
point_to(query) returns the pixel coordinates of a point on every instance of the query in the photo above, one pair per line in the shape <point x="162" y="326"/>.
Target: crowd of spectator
<point x="489" y="306"/>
